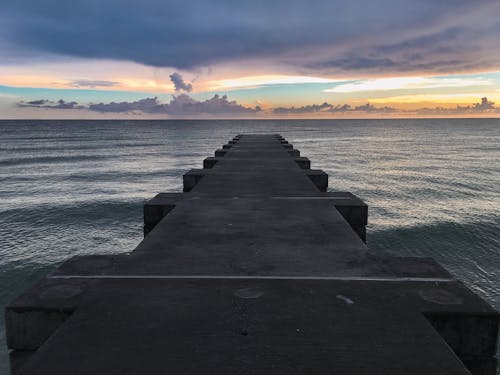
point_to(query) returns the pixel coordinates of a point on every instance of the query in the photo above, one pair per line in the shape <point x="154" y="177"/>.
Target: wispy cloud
<point x="407" y="83"/>
<point x="89" y="83"/>
<point x="415" y="99"/>
<point x="266" y="80"/>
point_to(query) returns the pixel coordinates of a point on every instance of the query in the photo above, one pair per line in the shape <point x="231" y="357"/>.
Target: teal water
<point x="77" y="187"/>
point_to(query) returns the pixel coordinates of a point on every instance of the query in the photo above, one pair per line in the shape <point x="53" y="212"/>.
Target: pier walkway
<point x="254" y="269"/>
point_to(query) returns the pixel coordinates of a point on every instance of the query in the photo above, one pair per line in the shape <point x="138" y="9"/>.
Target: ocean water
<point x="77" y="187"/>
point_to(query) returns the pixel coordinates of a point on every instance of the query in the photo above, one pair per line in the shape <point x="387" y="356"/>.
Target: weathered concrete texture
<point x="255" y="269"/>
<point x="34" y="315"/>
<point x="352" y="209"/>
<point x="248" y="326"/>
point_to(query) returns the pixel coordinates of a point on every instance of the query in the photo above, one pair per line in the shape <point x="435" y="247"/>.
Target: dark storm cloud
<point x="355" y="63"/>
<point x="36" y="102"/>
<point x="325" y="35"/>
<point x="43" y="103"/>
<point x="443" y="50"/>
<point x="179" y="83"/>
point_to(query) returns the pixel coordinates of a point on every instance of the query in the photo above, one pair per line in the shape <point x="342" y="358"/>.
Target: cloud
<point x="44" y="103"/>
<point x="180" y="105"/>
<point x="330" y="37"/>
<point x="355" y="63"/>
<point x="185" y="105"/>
<point x="179" y="83"/>
<point x="370" y="108"/>
<point x="329" y="108"/>
<point x="453" y="45"/>
<point x="325" y="107"/>
<point x="341" y="108"/>
<point x="407" y="83"/>
<point x="92" y="83"/>
<point x="265" y="80"/>
<point x="147" y="105"/>
<point x="484" y="106"/>
<point x="35" y="103"/>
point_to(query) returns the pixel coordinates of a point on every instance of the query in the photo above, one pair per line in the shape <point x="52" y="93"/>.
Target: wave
<point x="471" y="251"/>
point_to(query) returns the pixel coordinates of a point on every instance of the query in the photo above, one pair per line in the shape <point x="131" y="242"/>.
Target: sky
<point x="230" y="58"/>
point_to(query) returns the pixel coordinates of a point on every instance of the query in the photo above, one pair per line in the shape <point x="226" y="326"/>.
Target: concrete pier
<point x="254" y="269"/>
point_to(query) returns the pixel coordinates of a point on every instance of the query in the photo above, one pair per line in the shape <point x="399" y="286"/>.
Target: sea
<point x="77" y="187"/>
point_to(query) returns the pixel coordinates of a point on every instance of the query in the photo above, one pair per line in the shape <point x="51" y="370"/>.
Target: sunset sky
<point x="226" y="58"/>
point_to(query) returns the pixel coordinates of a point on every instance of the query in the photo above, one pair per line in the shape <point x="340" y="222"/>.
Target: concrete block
<point x="36" y="314"/>
<point x="303" y="162"/>
<point x="351" y="207"/>
<point x="468" y="324"/>
<point x="360" y="231"/>
<point x="319" y="178"/>
<point x="209" y="162"/>
<point x="481" y="366"/>
<point x="28" y="330"/>
<point x="192" y="178"/>
<point x="18" y="358"/>
<point x="470" y="335"/>
<point x="220" y="152"/>
<point x="157" y="208"/>
<point x="354" y="211"/>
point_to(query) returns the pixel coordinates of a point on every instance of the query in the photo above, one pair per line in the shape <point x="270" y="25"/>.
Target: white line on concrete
<point x="222" y="277"/>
